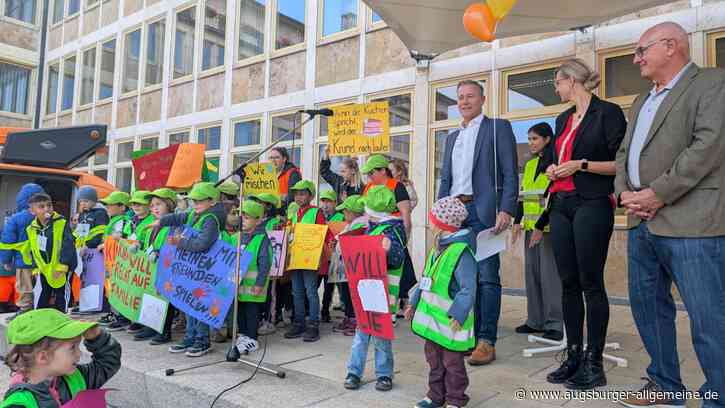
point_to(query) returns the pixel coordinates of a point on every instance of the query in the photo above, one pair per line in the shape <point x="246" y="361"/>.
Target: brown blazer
<point x="683" y="156"/>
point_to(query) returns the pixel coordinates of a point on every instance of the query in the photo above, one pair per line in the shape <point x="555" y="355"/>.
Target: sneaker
<point x="179" y="348"/>
<point x="134" y="328"/>
<point x="384" y="384"/>
<point x="649" y="396"/>
<point x="246" y="345"/>
<point x="218" y="336"/>
<point x="74" y="310"/>
<point x="280" y="324"/>
<point x="340" y="327"/>
<point x="118" y="325"/>
<point x="266" y="329"/>
<point x="198" y="350"/>
<point x="352" y="382"/>
<point x="452" y="406"/>
<point x="526" y="329"/>
<point x="312" y="334"/>
<point x="427" y="403"/>
<point x="160" y="339"/>
<point x="295" y="332"/>
<point x="395" y="321"/>
<point x="146" y="334"/>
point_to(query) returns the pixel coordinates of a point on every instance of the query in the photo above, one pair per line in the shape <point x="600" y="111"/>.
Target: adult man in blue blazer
<point x="484" y="176"/>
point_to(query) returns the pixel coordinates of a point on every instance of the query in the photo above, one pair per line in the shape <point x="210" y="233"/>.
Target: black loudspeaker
<point x="60" y="148"/>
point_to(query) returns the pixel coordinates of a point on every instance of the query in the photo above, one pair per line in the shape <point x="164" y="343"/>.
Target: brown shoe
<point x="649" y="396"/>
<point x="483" y="354"/>
<point x="218" y="336"/>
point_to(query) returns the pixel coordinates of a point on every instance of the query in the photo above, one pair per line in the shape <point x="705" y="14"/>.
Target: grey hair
<point x="581" y="73"/>
<point x="470" y="82"/>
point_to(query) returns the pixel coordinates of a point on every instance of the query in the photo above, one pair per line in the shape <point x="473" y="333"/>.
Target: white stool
<point x="555" y="346"/>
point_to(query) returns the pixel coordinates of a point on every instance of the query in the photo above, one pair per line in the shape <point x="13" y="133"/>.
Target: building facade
<point x="232" y="74"/>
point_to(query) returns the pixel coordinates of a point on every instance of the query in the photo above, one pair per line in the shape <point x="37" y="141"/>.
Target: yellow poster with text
<point x="360" y="129"/>
<point x="260" y="178"/>
<point x="305" y="249"/>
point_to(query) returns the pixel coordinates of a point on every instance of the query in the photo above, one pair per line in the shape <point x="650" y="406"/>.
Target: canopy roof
<point x="435" y="26"/>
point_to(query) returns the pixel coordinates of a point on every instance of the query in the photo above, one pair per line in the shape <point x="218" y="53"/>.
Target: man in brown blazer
<point x="671" y="179"/>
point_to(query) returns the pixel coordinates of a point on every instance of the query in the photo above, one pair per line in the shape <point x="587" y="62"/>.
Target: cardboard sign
<point x="110" y="250"/>
<point x="133" y="276"/>
<point x="367" y="272"/>
<point x="201" y="284"/>
<point x="260" y="178"/>
<point x="306" y="246"/>
<point x="279" y="253"/>
<point x="360" y="129"/>
<point x="177" y="166"/>
<point x="94" y="274"/>
<point x="337" y="227"/>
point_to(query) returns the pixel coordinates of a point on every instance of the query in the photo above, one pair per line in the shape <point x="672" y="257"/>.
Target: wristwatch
<point x="585" y="165"/>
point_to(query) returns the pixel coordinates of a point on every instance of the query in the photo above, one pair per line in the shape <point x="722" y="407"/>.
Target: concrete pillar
<point x="419" y="167"/>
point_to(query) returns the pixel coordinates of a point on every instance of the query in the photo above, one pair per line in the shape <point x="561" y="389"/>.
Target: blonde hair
<point x="581" y="73"/>
<point x="402" y="169"/>
<point x="352" y="165"/>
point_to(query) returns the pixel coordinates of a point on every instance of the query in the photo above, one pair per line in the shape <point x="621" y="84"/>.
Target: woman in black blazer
<point x="581" y="166"/>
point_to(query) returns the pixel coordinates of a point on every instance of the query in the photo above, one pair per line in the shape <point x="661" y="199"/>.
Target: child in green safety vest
<point x="441" y="307"/>
<point x="45" y="359"/>
<point x="207" y="219"/>
<point x="272" y="204"/>
<point x="328" y="204"/>
<point x="116" y="206"/>
<point x="379" y="206"/>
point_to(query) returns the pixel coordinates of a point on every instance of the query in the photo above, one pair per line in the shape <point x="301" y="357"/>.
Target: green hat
<point x="328" y="195"/>
<point x="204" y="191"/>
<point x="140" y="197"/>
<point x="354" y="203"/>
<point x="166" y="193"/>
<point x="252" y="209"/>
<point x="32" y="326"/>
<point x="304" y="185"/>
<point x="376" y="161"/>
<point x="117" y="197"/>
<point x="268" y="198"/>
<point x="229" y="188"/>
<point x="381" y="199"/>
<point x="292" y="208"/>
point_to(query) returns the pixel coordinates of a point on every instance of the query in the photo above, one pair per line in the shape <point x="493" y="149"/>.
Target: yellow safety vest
<point x="532" y="193"/>
<point x="54" y="271"/>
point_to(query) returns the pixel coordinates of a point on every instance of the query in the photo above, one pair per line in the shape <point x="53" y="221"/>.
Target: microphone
<point x="314" y="112"/>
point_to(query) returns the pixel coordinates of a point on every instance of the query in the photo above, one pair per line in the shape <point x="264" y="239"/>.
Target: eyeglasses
<point x="640" y="51"/>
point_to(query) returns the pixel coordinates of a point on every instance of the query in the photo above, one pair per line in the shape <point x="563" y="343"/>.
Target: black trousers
<point x="284" y="299"/>
<point x="326" y="295"/>
<point x="248" y="318"/>
<point x="170" y="314"/>
<point x="53" y="297"/>
<point x="346" y="299"/>
<point x="580" y="233"/>
<point x="408" y="279"/>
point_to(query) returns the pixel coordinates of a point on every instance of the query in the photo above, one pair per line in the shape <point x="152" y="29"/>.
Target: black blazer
<point x="598" y="138"/>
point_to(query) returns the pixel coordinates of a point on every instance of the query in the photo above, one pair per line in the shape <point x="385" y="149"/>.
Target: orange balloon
<point x="478" y="21"/>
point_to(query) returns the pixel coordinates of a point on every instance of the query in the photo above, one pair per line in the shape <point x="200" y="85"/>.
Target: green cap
<point x="140" y="197"/>
<point x="328" y="195"/>
<point x="117" y="197"/>
<point x="229" y="188"/>
<point x="376" y="161"/>
<point x="166" y="193"/>
<point x="353" y="203"/>
<point x="252" y="209"/>
<point x="31" y="327"/>
<point x="292" y="208"/>
<point x="381" y="199"/>
<point x="268" y="198"/>
<point x="304" y="185"/>
<point x="204" y="191"/>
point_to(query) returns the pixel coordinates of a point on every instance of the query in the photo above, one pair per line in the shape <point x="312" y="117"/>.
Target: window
<point x="91" y="3"/>
<point x="108" y="60"/>
<point x="211" y="137"/>
<point x="240" y="158"/>
<point x="335" y="163"/>
<point x="446" y="103"/>
<point x="338" y="16"/>
<point x="69" y="77"/>
<point x="247" y="133"/>
<point x="179" y="137"/>
<point x="530" y="90"/>
<point x="400" y="109"/>
<point x="101" y="156"/>
<point x="52" y="101"/>
<point x="251" y="28"/>
<point x="88" y="76"/>
<point x="290" y="22"/>
<point x="14" y="88"/>
<point x="73" y="6"/>
<point x="285" y="123"/>
<point x="521" y="132"/>
<point x="215" y="23"/>
<point x="376" y="18"/>
<point x="622" y="77"/>
<point x="720" y="52"/>
<point x="439" y="140"/>
<point x="716" y="50"/>
<point x="103" y="174"/>
<point x="155" y="53"/>
<point x="400" y="148"/>
<point x="150" y="143"/>
<point x="131" y="58"/>
<point x="58" y="6"/>
<point x="184" y="43"/>
<point x="124" y="178"/>
<point x="123" y="153"/>
<point x="23" y="10"/>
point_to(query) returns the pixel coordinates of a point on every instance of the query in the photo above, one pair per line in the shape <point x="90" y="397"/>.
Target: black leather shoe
<point x="526" y="329"/>
<point x="590" y="373"/>
<point x="352" y="382"/>
<point x="312" y="334"/>
<point x="295" y="332"/>
<point x="145" y="334"/>
<point x="573" y="359"/>
<point x="555" y="335"/>
<point x="384" y="384"/>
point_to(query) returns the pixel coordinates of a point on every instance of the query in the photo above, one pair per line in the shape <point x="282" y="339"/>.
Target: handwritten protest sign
<point x="357" y="129"/>
<point x="200" y="284"/>
<point x="337" y="227"/>
<point x="367" y="273"/>
<point x="91" y="292"/>
<point x="306" y="247"/>
<point x="110" y="250"/>
<point x="279" y="252"/>
<point x="187" y="167"/>
<point x="260" y="178"/>
<point x="133" y="276"/>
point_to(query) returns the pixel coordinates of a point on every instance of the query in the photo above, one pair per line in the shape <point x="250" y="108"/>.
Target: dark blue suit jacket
<point x="483" y="170"/>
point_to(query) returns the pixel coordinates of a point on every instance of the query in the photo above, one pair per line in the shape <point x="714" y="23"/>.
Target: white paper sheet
<point x="153" y="312"/>
<point x="79" y="266"/>
<point x="37" y="290"/>
<point x="372" y="295"/>
<point x="90" y="298"/>
<point x="488" y="244"/>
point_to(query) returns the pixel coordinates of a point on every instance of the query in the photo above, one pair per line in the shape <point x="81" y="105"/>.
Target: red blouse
<point x="564" y="150"/>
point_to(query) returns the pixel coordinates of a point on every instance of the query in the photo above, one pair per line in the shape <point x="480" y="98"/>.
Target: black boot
<point x="590" y="373"/>
<point x="295" y="332"/>
<point x="312" y="334"/>
<point x="571" y="363"/>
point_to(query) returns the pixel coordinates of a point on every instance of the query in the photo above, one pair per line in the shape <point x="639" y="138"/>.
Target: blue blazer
<point x="483" y="170"/>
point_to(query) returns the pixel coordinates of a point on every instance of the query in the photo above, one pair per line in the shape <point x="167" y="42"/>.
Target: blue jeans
<point x="488" y="294"/>
<point x="197" y="333"/>
<point x="304" y="284"/>
<point x="359" y="354"/>
<point x="697" y="267"/>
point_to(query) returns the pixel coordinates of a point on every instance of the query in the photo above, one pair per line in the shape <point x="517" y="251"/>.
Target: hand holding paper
<point x="488" y="244"/>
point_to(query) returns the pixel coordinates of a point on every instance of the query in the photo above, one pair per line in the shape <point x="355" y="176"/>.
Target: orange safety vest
<point x="284" y="180"/>
<point x="391" y="184"/>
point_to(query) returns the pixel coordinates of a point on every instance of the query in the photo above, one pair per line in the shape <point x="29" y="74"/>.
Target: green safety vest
<point x="25" y="398"/>
<point x="94" y="232"/>
<point x="159" y="241"/>
<point x="310" y="216"/>
<point x="200" y="222"/>
<point x="54" y="265"/>
<point x="230" y="239"/>
<point x="532" y="192"/>
<point x="250" y="278"/>
<point x="338" y="217"/>
<point x="394" y="275"/>
<point x="272" y="223"/>
<point x="113" y="222"/>
<point x="140" y="231"/>
<point x="431" y="319"/>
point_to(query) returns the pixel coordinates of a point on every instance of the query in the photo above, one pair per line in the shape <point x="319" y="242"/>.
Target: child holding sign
<point x="271" y="203"/>
<point x="328" y="204"/>
<point x="116" y="207"/>
<point x="379" y="205"/>
<point x="45" y="359"/>
<point x="449" y="279"/>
